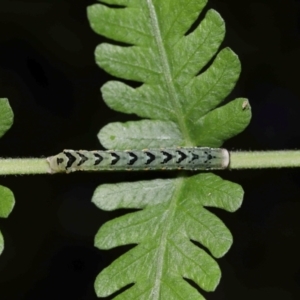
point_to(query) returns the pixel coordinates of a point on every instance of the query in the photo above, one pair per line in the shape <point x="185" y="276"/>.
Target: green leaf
<point x="168" y="68"/>
<point x="141" y="134"/>
<point x="163" y="230"/>
<point x="6" y="116"/>
<point x="184" y="81"/>
<point x="7" y="201"/>
<point x="223" y="123"/>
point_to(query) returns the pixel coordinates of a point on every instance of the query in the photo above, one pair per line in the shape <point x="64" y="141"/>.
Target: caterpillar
<point x="185" y="158"/>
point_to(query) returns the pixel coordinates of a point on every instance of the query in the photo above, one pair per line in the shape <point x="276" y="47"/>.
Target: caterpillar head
<point x="57" y="163"/>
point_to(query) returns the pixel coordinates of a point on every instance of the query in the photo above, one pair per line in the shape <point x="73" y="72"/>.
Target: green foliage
<point x="7" y="117"/>
<point x="141" y="134"/>
<point x="184" y="110"/>
<point x="172" y="215"/>
<point x="7" y="200"/>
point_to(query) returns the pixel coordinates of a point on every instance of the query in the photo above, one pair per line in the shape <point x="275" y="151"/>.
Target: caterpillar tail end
<point x="225" y="159"/>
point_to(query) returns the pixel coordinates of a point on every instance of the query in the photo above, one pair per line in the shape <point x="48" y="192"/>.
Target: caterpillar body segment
<point x="186" y="158"/>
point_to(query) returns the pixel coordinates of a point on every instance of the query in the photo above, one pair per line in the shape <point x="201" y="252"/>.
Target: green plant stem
<point x="264" y="159"/>
<point x="13" y="166"/>
<point x="238" y="160"/>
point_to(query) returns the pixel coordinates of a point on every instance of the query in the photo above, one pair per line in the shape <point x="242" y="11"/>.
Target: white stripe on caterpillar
<point x="185" y="158"/>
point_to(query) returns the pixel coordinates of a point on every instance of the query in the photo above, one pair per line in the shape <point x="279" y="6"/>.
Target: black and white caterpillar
<point x="186" y="158"/>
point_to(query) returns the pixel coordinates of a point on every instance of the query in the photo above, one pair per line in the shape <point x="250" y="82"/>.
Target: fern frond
<point x="173" y="214"/>
<point x="184" y="110"/>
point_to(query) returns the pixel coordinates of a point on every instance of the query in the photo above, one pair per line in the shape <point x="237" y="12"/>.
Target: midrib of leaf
<point x="167" y="72"/>
<point x="163" y="241"/>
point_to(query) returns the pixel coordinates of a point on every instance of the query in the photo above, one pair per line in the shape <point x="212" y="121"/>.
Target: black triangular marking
<point x="83" y="158"/>
<point x="182" y="157"/>
<point x="167" y="155"/>
<point x="71" y="159"/>
<point x="133" y="158"/>
<point x="151" y="158"/>
<point x="59" y="160"/>
<point x="208" y="159"/>
<point x="209" y="156"/>
<point x="98" y="159"/>
<point x="194" y="156"/>
<point x="115" y="159"/>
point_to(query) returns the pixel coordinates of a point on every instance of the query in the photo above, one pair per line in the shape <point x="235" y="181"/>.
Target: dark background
<point x="47" y="71"/>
